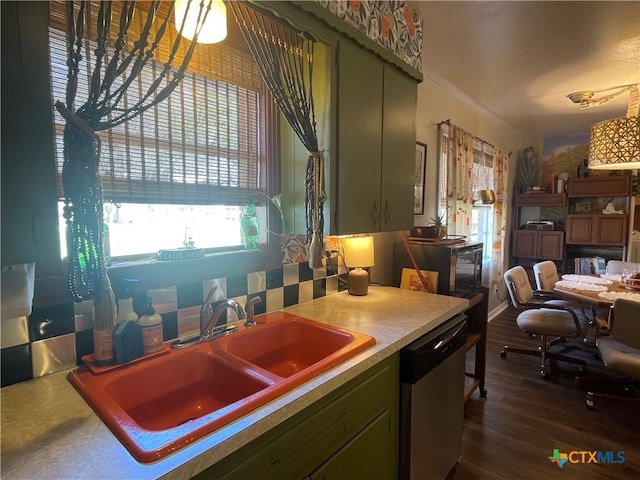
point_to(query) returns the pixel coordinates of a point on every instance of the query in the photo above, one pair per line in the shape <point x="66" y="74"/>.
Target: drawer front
<point x="616" y="186"/>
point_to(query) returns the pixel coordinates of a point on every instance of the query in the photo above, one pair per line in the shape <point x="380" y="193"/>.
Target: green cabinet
<point x="356" y="425"/>
<point x="368" y="455"/>
<point x="398" y="150"/>
<point x="29" y="197"/>
<point x="376" y="144"/>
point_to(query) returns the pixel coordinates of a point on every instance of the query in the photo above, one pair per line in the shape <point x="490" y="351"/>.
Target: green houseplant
<point x="436" y="228"/>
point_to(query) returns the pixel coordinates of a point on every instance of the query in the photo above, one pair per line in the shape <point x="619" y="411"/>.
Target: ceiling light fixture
<point x="615" y="143"/>
<point x="585" y="99"/>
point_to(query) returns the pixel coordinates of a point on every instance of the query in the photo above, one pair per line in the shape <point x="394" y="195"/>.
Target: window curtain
<point x="104" y="108"/>
<point x="500" y="177"/>
<point x="463" y="157"/>
<point x="457" y="164"/>
<point x="285" y="58"/>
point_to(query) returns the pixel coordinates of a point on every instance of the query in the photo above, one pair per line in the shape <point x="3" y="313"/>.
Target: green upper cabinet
<point x="29" y="196"/>
<point x="398" y="150"/>
<point x="359" y="155"/>
<point x="375" y="144"/>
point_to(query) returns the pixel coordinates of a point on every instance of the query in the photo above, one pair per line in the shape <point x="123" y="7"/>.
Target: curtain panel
<point x="468" y="164"/>
<point x="500" y="177"/>
<point x="458" y="159"/>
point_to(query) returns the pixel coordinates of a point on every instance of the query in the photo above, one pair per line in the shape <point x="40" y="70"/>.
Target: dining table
<point x="597" y="292"/>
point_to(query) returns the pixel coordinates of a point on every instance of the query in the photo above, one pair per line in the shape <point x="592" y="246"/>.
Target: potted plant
<point x="436" y="228"/>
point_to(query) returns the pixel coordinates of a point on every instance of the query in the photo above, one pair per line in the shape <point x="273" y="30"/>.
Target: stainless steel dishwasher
<point x="432" y="401"/>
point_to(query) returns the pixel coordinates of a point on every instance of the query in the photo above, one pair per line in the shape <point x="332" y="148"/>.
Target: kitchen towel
<point x="17" y="290"/>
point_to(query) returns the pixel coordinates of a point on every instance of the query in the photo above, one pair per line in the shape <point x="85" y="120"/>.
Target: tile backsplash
<point x="55" y="338"/>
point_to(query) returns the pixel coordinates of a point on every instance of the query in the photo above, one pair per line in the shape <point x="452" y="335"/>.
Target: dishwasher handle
<point x="446" y="342"/>
<point x="426" y="353"/>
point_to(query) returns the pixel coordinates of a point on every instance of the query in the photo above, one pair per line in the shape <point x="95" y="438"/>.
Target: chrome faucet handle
<point x="206" y="310"/>
<point x="217" y="313"/>
<point x="249" y="308"/>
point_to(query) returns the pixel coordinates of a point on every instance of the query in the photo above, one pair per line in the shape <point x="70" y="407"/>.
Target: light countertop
<point x="48" y="431"/>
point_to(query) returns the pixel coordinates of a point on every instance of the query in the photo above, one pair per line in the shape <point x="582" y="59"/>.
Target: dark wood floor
<point x="512" y="432"/>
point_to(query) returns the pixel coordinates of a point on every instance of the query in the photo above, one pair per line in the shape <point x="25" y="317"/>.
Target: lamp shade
<point x="358" y="251"/>
<point x="615" y="144"/>
<point x="214" y="15"/>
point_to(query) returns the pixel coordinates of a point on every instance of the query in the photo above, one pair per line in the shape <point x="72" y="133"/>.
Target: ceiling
<point x="520" y="59"/>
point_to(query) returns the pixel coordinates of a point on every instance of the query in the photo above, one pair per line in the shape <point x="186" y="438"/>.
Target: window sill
<point x="153" y="273"/>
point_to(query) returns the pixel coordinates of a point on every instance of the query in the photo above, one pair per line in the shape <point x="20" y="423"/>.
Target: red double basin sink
<point x="160" y="404"/>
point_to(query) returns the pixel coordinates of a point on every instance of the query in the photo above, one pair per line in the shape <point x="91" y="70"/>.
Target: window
<point x="189" y="162"/>
<point x="482" y="215"/>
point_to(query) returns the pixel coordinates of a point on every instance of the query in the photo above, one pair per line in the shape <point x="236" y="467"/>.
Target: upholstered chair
<point x="548" y="322"/>
<point x="619" y="267"/>
<point x="546" y="276"/>
<point x="620" y="351"/>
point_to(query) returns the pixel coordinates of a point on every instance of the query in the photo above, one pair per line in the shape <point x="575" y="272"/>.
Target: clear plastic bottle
<point x="250" y="226"/>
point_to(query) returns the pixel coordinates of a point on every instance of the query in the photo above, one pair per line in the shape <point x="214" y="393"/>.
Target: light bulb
<point x="214" y="28"/>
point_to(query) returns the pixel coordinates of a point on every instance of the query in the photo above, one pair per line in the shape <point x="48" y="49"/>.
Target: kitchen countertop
<point x="48" y="431"/>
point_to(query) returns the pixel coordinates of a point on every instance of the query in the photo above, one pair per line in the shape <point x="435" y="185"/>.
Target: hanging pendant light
<point x="614" y="144"/>
<point x="210" y="15"/>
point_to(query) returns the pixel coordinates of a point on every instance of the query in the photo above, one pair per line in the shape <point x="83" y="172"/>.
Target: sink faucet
<point x="249" y="308"/>
<point x="206" y="311"/>
<point x="215" y="316"/>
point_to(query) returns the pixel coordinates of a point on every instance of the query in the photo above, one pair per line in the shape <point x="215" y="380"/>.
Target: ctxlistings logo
<point x="585" y="456"/>
<point x="559" y="458"/>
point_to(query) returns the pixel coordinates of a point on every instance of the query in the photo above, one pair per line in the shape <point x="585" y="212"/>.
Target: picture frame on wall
<point x="420" y="168"/>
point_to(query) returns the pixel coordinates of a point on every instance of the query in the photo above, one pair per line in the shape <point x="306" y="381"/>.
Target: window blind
<point x="205" y="144"/>
<point x="482" y="165"/>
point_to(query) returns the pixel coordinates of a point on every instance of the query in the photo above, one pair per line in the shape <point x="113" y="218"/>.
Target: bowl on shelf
<point x="428" y="232"/>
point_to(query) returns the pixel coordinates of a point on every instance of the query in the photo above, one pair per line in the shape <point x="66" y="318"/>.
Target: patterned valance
<point x="393" y="24"/>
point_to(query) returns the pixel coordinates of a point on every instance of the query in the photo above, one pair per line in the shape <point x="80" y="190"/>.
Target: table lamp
<point x="358" y="253"/>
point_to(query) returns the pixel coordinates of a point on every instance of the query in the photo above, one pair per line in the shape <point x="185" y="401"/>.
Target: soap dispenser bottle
<point x="104" y="325"/>
<point x="151" y="325"/>
<point x="125" y="301"/>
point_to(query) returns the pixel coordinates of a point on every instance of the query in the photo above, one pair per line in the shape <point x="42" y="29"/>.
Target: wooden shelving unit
<point x="477" y="314"/>
<point x="531" y="246"/>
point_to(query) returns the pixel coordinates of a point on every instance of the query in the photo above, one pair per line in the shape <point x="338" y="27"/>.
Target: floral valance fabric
<point x="393" y="24"/>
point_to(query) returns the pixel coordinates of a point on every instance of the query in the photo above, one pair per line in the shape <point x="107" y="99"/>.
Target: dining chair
<point x="620" y="352"/>
<point x="619" y="267"/>
<point x="546" y="276"/>
<point x="550" y="323"/>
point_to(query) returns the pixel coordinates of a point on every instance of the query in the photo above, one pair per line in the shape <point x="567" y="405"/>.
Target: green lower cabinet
<point x="370" y="455"/>
<point x="351" y="433"/>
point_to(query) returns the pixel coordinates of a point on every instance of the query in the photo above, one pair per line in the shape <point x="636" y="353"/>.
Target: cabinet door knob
<point x="376" y="213"/>
<point x="387" y="212"/>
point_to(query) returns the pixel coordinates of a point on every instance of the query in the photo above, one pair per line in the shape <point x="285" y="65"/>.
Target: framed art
<point x="583" y="207"/>
<point x="411" y="281"/>
<point x="418" y="188"/>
